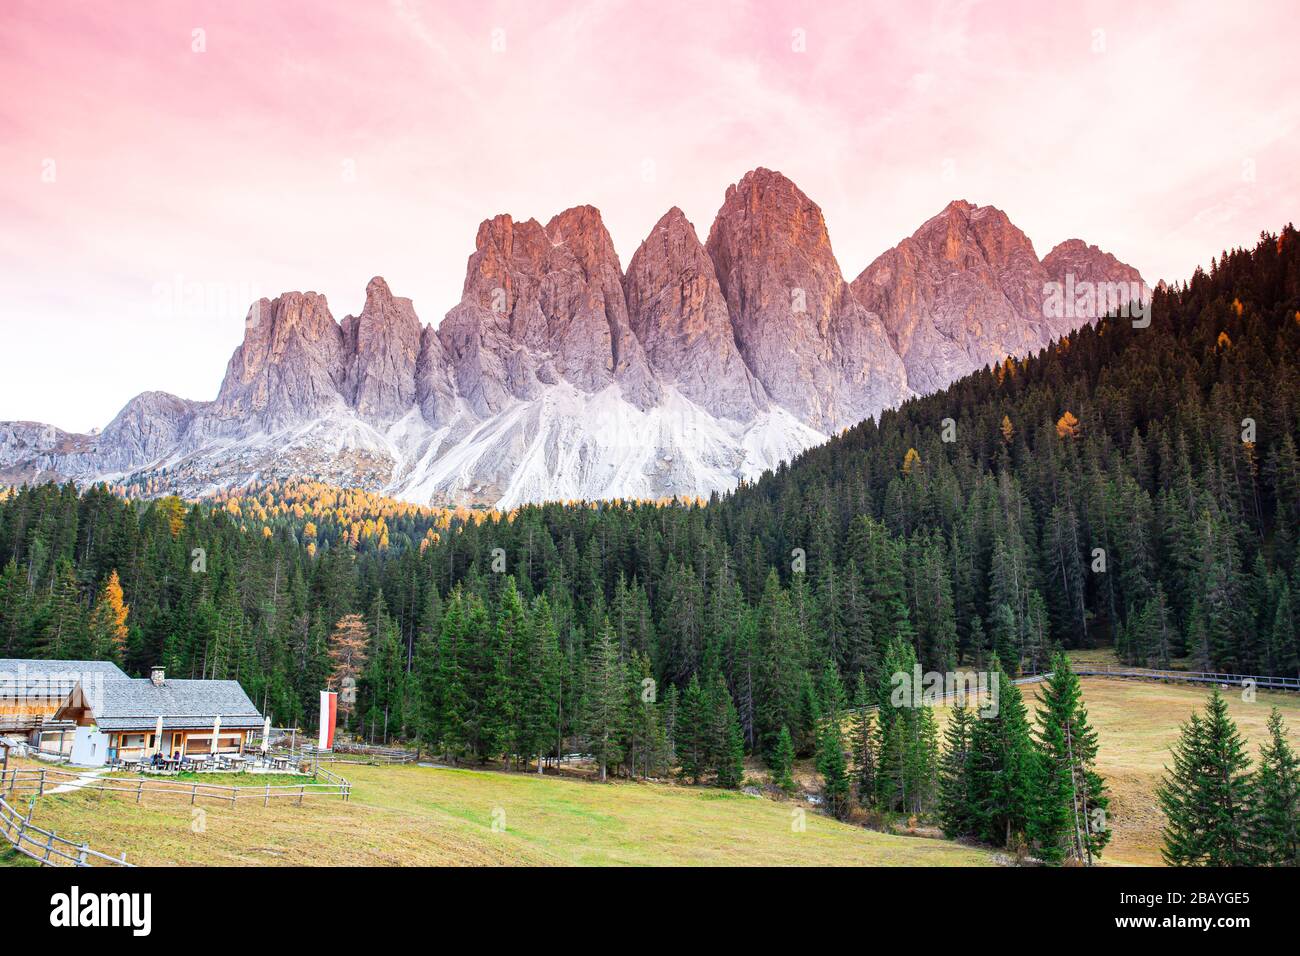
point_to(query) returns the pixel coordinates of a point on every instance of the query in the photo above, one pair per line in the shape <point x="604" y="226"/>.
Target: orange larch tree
<point x="349" y="648"/>
<point x="108" y="630"/>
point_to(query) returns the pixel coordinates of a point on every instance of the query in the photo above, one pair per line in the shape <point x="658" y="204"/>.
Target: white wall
<point x="89" y="748"/>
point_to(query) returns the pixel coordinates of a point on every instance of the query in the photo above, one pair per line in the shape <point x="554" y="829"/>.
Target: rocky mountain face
<point x="961" y="292"/>
<point x="542" y="306"/>
<point x="560" y="376"/>
<point x="677" y="311"/>
<point x="808" y="340"/>
<point x="383" y="346"/>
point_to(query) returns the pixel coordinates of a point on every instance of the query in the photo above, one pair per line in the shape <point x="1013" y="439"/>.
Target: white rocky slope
<point x="560" y="377"/>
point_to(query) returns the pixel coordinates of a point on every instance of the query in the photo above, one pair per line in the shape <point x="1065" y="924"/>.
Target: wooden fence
<point x="39" y="782"/>
<point x="1188" y="677"/>
<point x="47" y="847"/>
<point x="354" y="753"/>
<point x="1141" y="673"/>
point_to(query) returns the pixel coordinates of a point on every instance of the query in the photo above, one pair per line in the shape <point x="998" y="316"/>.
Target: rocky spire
<point x="383" y="347"/>
<point x="804" y="336"/>
<point x="290" y="365"/>
<point x="677" y="312"/>
<point x="541" y="306"/>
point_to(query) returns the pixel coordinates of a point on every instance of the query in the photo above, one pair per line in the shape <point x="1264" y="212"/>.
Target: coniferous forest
<point x="1132" y="487"/>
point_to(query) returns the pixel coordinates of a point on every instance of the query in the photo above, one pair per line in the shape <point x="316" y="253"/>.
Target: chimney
<point x="157" y="676"/>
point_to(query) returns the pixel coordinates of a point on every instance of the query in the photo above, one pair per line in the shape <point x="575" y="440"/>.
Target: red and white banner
<point x="329" y="705"/>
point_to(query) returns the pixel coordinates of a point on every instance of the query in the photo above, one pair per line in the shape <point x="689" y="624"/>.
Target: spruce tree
<point x="692" y="746"/>
<point x="1070" y="798"/>
<point x="1205" y="795"/>
<point x="923" y="761"/>
<point x="954" y="775"/>
<point x="1001" y="767"/>
<point x="782" y="761"/>
<point x="907" y="737"/>
<point x="864" y="754"/>
<point x="1275" y="800"/>
<point x="538" y="684"/>
<point x="731" y="751"/>
<point x="605" y="701"/>
<point x="834" y="771"/>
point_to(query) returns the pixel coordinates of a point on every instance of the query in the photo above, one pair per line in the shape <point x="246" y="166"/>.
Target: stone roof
<point x="135" y="704"/>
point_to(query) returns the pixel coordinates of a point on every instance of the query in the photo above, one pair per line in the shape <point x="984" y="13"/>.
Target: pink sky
<point x="311" y="145"/>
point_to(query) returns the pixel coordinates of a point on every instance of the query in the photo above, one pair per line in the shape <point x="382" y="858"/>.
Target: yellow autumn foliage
<point x="1067" y="426"/>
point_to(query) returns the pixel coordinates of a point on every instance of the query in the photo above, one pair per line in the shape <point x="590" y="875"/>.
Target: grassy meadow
<point x="409" y="815"/>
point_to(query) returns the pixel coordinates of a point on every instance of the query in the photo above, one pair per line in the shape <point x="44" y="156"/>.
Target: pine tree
<point x="731" y="749"/>
<point x="1275" y="800"/>
<point x="834" y="771"/>
<point x="1001" y="767"/>
<point x="864" y="755"/>
<point x="605" y="701"/>
<point x="782" y="761"/>
<point x="1068" y="820"/>
<point x="955" y="775"/>
<point x="1205" y="795"/>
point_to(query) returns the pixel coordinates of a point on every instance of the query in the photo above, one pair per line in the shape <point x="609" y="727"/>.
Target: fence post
<point x="301" y="788"/>
<point x="49" y="846"/>
<point x="81" y="854"/>
<point x="41" y="784"/>
<point x="234" y="791"/>
<point x="266" y="801"/>
<point x="194" y="792"/>
<point x="139" y="790"/>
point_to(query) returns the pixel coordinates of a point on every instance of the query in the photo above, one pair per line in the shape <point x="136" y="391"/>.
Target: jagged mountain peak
<point x="1088" y="262"/>
<point x="541" y="307"/>
<point x="289" y="365"/>
<point x="559" y="375"/>
<point x="678" y="314"/>
<point x="382" y="346"/>
<point x="801" y="332"/>
<point x="963" y="230"/>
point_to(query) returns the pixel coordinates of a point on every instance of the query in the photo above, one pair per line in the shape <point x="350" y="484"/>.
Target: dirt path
<point x="83" y="780"/>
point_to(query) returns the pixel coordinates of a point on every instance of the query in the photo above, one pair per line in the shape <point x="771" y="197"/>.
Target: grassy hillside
<point x="416" y="815"/>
